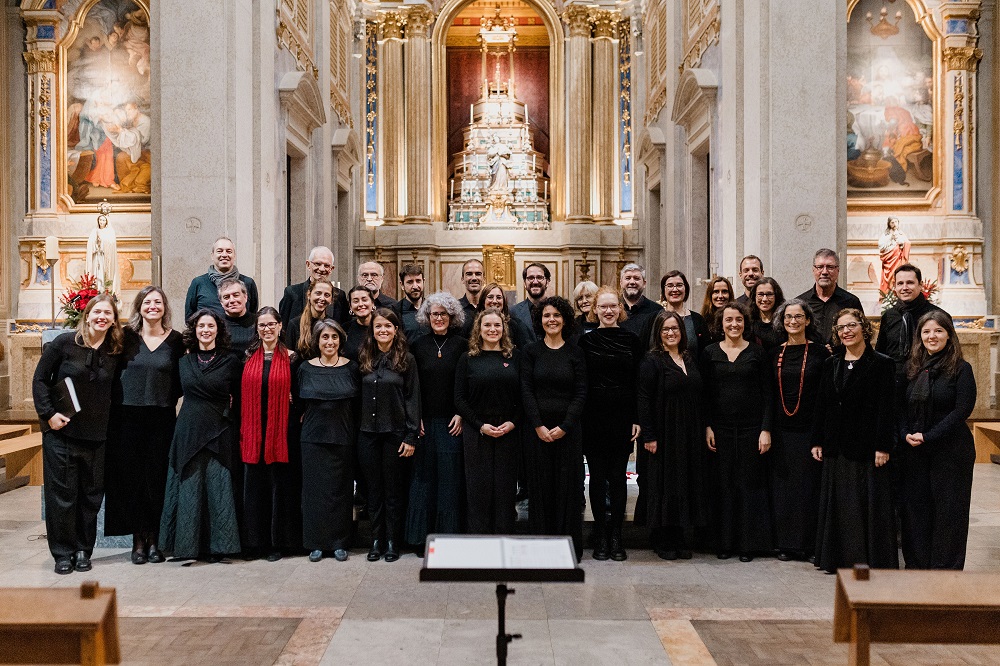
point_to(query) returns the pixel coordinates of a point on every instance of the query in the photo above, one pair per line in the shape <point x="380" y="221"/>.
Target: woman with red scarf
<point x="272" y="518"/>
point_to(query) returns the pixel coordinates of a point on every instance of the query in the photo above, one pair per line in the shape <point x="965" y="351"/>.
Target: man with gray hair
<point x="826" y="298"/>
<point x="370" y="275"/>
<point x="641" y="311"/>
<point x="293" y="301"/>
<point x="204" y="289"/>
<point x="241" y="322"/>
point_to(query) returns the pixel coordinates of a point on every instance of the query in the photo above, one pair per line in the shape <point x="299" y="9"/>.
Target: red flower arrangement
<point x="76" y="298"/>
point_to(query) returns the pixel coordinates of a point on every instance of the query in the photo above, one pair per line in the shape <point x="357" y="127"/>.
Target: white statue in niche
<point x="498" y="155"/>
<point x="102" y="251"/>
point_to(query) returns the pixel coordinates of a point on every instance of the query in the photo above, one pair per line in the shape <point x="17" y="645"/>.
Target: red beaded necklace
<point x="802" y="379"/>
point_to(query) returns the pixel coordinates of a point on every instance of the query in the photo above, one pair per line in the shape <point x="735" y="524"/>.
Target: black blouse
<point x="328" y="400"/>
<point x="355" y="337"/>
<point x="613" y="356"/>
<point x="488" y="388"/>
<point x="791" y="375"/>
<point x="554" y="385"/>
<point x="739" y="392"/>
<point x="150" y="377"/>
<point x="437" y="374"/>
<point x="951" y="402"/>
<point x="390" y="400"/>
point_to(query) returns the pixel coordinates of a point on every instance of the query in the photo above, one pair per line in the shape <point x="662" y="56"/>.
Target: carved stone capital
<point x="418" y="20"/>
<point x="40" y="61"/>
<point x="577" y="17"/>
<point x="962" y="57"/>
<point x="605" y="23"/>
<point x="390" y="25"/>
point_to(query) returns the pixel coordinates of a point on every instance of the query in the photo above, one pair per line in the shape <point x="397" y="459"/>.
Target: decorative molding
<point x="418" y="21"/>
<point x="625" y="115"/>
<point x="40" y="61"/>
<point x="577" y="17"/>
<point x="44" y="111"/>
<point x="301" y="97"/>
<point x="289" y="40"/>
<point x="391" y="25"/>
<point x="499" y="265"/>
<point x="707" y="35"/>
<point x="371" y="116"/>
<point x="605" y="23"/>
<point x="694" y="101"/>
<point x="962" y="57"/>
<point x="656" y="104"/>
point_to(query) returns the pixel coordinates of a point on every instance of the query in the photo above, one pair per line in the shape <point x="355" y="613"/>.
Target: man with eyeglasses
<point x="641" y="310"/>
<point x="473" y="274"/>
<point x="370" y="275"/>
<point x="204" y="289"/>
<point x="536" y="279"/>
<point x="751" y="271"/>
<point x="826" y="298"/>
<point x="293" y="300"/>
<point x="411" y="279"/>
<point x="898" y="329"/>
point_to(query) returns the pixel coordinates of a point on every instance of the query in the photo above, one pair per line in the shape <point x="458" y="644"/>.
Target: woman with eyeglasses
<point x="739" y="415"/>
<point x="765" y="298"/>
<point x="610" y="424"/>
<point x="272" y="518"/>
<point x="852" y="435"/>
<point x="718" y="292"/>
<point x="795" y="475"/>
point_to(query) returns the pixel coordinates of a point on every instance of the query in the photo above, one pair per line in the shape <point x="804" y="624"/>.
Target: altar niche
<point x="498" y="125"/>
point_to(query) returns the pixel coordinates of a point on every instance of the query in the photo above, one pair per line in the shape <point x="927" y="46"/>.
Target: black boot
<point x="601" y="542"/>
<point x="618" y="553"/>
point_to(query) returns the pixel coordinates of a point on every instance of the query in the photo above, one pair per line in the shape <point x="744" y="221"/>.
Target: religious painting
<point x="107" y="108"/>
<point x="891" y="126"/>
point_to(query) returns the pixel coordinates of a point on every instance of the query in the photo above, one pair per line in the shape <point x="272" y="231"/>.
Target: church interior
<point x="581" y="136"/>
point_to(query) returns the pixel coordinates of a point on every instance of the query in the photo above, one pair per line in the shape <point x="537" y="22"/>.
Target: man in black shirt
<point x="370" y="274"/>
<point x="641" y="311"/>
<point x="825" y="298"/>
<point x="898" y="330"/>
<point x="751" y="271"/>
<point x="240" y="321"/>
<point x="293" y="301"/>
<point x="411" y="279"/>
<point x="472" y="278"/>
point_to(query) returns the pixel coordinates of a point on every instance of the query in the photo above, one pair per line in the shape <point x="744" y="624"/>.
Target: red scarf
<point x="279" y="386"/>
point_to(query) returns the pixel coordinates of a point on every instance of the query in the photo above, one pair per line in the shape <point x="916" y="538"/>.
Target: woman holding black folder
<point x="73" y="443"/>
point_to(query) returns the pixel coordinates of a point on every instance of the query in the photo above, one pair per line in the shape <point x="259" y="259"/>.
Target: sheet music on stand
<point x="500" y="553"/>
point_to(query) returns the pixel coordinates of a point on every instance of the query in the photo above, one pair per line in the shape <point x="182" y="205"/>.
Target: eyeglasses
<point x="535" y="278"/>
<point x="670" y="329"/>
<point x="794" y="317"/>
<point x="267" y="325"/>
<point x="763" y="295"/>
<point x="608" y="308"/>
<point x="438" y="315"/>
<point x="826" y="267"/>
<point x="853" y="326"/>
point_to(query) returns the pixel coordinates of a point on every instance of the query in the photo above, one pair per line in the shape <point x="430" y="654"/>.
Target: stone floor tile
<point x="385" y="641"/>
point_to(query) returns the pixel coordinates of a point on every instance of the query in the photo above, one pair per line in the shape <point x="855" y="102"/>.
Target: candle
<point x="463" y="161"/>
<point x="51" y="247"/>
<point x="546" y="195"/>
<point x="533" y="163"/>
<point x="452" y="189"/>
<point x="525" y="114"/>
<point x="471" y="114"/>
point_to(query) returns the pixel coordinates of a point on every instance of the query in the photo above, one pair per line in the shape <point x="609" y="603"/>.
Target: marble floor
<point x="642" y="611"/>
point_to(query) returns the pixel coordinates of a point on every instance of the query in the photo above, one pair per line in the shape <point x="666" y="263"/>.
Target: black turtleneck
<point x="242" y="331"/>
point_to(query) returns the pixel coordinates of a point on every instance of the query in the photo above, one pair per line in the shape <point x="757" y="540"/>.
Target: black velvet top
<point x="390" y="401"/>
<point x="328" y="400"/>
<point x="739" y="392"/>
<point x="613" y="356"/>
<point x="554" y="385"/>
<point x="149" y="378"/>
<point x="437" y="375"/>
<point x="488" y="389"/>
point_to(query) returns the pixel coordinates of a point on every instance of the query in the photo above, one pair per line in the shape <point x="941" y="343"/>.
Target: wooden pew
<point x="986" y="435"/>
<point x="22" y="457"/>
<point x="59" y="625"/>
<point x="890" y="606"/>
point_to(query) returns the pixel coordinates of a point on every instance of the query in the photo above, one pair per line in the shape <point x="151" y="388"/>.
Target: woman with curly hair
<point x="718" y="292"/>
<point x="390" y="426"/>
<point x="554" y="390"/>
<point x="199" y="511"/>
<point x="436" y="486"/>
<point x="73" y="444"/>
<point x="852" y="435"/>
<point x="488" y="398"/>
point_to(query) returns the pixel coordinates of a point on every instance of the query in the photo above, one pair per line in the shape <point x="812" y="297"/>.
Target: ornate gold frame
<point x="926" y="202"/>
<point x="62" y="195"/>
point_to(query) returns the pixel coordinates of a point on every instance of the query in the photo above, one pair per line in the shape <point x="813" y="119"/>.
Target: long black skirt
<point x="795" y="484"/>
<point x="437" y="490"/>
<point x="327" y="495"/>
<point x="556" y="482"/>
<point x="272" y="495"/>
<point x="136" y="468"/>
<point x="742" y="500"/>
<point x="491" y="478"/>
<point x="856" y="523"/>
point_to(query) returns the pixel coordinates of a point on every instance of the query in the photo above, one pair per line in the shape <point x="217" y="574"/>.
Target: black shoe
<point x="667" y="554"/>
<point x="213" y="558"/>
<point x="785" y="556"/>
<point x="340" y="555"/>
<point x="155" y="556"/>
<point x="601" y="547"/>
<point x="82" y="561"/>
<point x="685" y="554"/>
<point x="64" y="565"/>
<point x="391" y="554"/>
<point x="273" y="556"/>
<point x="316" y="555"/>
<point x="418" y="549"/>
<point x="811" y="559"/>
<point x="138" y="557"/>
<point x="724" y="555"/>
<point x="618" y="553"/>
<point x="746" y="558"/>
<point x="375" y="554"/>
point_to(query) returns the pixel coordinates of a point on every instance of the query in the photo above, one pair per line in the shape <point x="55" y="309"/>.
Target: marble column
<point x="418" y="115"/>
<point x="579" y="106"/>
<point x="961" y="62"/>
<point x="605" y="116"/>
<point x="392" y="114"/>
<point x="40" y="58"/>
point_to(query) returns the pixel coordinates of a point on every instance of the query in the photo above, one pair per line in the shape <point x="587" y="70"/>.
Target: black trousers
<point x="607" y="445"/>
<point x="74" y="488"/>
<point x="385" y="474"/>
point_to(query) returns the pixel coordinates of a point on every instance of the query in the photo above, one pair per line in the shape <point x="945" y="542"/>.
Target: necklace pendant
<point x="439" y="353"/>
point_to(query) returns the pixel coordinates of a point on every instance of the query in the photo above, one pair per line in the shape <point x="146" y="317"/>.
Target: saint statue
<point x="499" y="170"/>
<point x="102" y="251"/>
<point x="894" y="251"/>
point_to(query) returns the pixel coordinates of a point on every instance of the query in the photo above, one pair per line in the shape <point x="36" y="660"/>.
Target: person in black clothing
<point x="751" y="271"/>
<point x="362" y="305"/>
<point x="898" y="329"/>
<point x="327" y="394"/>
<point x="765" y="297"/>
<point x="826" y="299"/>
<point x="852" y="436"/>
<point x="143" y="414"/>
<point x="640" y="310"/>
<point x="674" y="292"/>
<point x="199" y="510"/>
<point x="795" y="475"/>
<point x="673" y="435"/>
<point x="739" y="414"/>
<point x="204" y="289"/>
<point x="240" y="320"/>
<point x="390" y="425"/>
<point x="610" y="425"/>
<point x="371" y="275"/>
<point x="494" y="297"/>
<point x="272" y="479"/>
<point x="299" y="336"/>
<point x="436" y="492"/>
<point x="293" y="300"/>
<point x="472" y="278"/>
<point x="536" y="278"/>
<point x="411" y="281"/>
<point x="583" y="299"/>
<point x="718" y="293"/>
<point x="554" y="391"/>
<point x="488" y="398"/>
<point x="939" y="455"/>
<point x="73" y="444"/>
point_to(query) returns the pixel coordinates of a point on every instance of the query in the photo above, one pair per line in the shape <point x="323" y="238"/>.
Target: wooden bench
<point x="59" y="625"/>
<point x="986" y="435"/>
<point x="22" y="457"/>
<point x="890" y="606"/>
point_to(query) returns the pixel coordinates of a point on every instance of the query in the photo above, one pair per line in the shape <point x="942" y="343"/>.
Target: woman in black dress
<point x="737" y="377"/>
<point x="362" y="305"/>
<point x="795" y="475"/>
<point x="494" y="297"/>
<point x="390" y="425"/>
<point x="328" y="389"/>
<point x="271" y="466"/>
<point x="673" y="435"/>
<point x="299" y="337"/>
<point x="852" y="436"/>
<point x="940" y="454"/>
<point x="675" y="290"/>
<point x="436" y="489"/>
<point x="610" y="425"/>
<point x="142" y="424"/>
<point x="73" y="445"/>
<point x="199" y="509"/>
<point x="718" y="293"/>
<point x="554" y="390"/>
<point x="488" y="397"/>
<point x="765" y="298"/>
